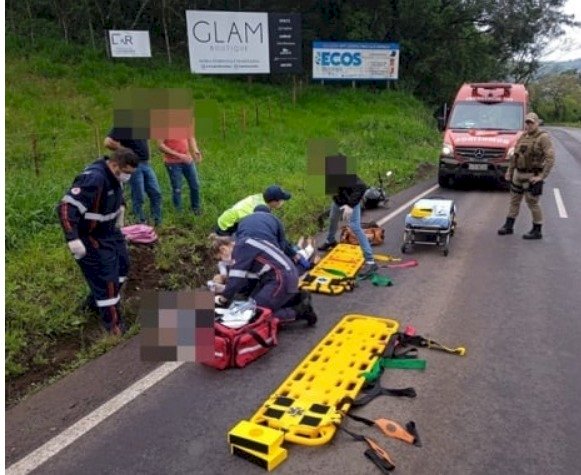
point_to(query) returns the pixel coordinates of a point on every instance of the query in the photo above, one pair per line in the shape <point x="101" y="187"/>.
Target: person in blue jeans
<point x="348" y="190"/>
<point x="143" y="180"/>
<point x="180" y="158"/>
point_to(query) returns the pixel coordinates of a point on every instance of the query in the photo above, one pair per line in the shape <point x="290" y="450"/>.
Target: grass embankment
<point x="59" y="107"/>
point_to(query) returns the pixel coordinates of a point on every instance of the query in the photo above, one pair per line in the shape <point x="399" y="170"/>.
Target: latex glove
<point x="535" y="179"/>
<point x="120" y="222"/>
<point x="77" y="248"/>
<point x="347" y="212"/>
<point x="220" y="301"/>
<point x="508" y="176"/>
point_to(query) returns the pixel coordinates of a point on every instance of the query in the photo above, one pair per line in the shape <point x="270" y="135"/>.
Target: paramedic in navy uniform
<point x="257" y="254"/>
<point x="90" y="214"/>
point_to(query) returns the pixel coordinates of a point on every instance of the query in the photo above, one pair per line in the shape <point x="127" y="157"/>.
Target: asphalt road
<point x="509" y="406"/>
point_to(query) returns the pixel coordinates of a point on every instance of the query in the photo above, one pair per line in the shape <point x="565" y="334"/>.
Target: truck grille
<point x="479" y="153"/>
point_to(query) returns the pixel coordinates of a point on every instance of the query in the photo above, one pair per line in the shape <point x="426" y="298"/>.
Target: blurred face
<point x="275" y="204"/>
<point x="531" y="126"/>
<point x="171" y="124"/>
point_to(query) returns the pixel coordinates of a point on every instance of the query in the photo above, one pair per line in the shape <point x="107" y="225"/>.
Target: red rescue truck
<point x="484" y="124"/>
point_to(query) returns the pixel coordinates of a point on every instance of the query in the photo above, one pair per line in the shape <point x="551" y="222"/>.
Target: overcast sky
<point x="569" y="46"/>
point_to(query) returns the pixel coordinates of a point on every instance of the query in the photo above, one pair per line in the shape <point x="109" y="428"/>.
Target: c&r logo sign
<point x="129" y="44"/>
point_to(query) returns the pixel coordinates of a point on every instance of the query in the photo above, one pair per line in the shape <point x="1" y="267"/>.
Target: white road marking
<point x="405" y="206"/>
<point x="77" y="430"/>
<point x="560" y="204"/>
<point x="33" y="460"/>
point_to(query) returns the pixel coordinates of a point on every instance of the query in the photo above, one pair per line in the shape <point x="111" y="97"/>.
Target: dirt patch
<point x="425" y="170"/>
<point x="61" y="354"/>
<point x="187" y="268"/>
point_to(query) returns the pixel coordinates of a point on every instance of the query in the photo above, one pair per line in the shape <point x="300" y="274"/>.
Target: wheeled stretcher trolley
<point x="431" y="221"/>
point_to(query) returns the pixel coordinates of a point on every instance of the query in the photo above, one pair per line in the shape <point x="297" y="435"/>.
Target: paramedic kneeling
<point x="277" y="279"/>
<point x="89" y="213"/>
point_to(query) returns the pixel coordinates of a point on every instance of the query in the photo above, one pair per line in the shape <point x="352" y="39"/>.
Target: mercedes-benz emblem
<point x="479" y="154"/>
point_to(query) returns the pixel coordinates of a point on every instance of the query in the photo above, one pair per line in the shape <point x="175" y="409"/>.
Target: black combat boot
<point x="507" y="228"/>
<point x="534" y="233"/>
<point x="310" y="316"/>
<point x="304" y="309"/>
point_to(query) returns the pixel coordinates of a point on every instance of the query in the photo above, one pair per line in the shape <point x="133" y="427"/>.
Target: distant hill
<point x="555" y="67"/>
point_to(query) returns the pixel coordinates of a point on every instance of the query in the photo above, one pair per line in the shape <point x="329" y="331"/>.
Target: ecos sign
<point x="355" y="61"/>
<point x="228" y="42"/>
<point x="328" y="58"/>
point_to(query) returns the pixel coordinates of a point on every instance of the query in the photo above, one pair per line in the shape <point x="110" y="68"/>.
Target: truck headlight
<point x="447" y="150"/>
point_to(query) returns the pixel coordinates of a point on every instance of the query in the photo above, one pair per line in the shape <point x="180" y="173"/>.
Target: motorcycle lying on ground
<point x="374" y="197"/>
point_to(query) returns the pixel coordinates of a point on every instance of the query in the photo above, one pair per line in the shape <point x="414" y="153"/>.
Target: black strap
<point x="371" y="392"/>
<point x="377" y="391"/>
<point x="261" y="340"/>
<point x="411" y="428"/>
<point x="405" y="353"/>
<point x="367" y="422"/>
<point x="379" y="462"/>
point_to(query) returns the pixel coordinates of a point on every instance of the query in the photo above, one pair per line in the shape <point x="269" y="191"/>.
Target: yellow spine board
<point x="256" y="438"/>
<point x="268" y="462"/>
<point x="345" y="259"/>
<point x="304" y="407"/>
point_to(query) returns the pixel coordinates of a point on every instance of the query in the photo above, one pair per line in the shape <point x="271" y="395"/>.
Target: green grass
<point x="57" y="95"/>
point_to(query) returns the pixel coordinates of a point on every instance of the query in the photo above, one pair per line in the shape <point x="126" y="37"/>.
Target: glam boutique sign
<point x="228" y="42"/>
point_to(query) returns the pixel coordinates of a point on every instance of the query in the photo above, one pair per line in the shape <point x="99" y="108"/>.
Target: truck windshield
<point x="487" y="116"/>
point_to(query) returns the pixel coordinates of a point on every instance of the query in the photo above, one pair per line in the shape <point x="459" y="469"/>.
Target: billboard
<point x="352" y="61"/>
<point x="286" y="51"/>
<point x="129" y="44"/>
<point x="228" y="42"/>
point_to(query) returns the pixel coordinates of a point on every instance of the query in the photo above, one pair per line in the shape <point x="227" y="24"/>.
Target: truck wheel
<point x="445" y="181"/>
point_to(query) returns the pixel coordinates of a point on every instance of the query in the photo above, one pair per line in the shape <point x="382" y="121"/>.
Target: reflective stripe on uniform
<point x="102" y="217"/>
<point x="107" y="302"/>
<point x="264" y="270"/>
<point x="242" y="274"/>
<point x="269" y="249"/>
<point x="77" y="204"/>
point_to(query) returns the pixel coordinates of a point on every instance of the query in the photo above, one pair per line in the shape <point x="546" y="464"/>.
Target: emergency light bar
<point x="490" y="87"/>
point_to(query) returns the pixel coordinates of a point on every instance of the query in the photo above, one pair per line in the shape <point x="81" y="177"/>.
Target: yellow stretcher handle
<point x="326" y="433"/>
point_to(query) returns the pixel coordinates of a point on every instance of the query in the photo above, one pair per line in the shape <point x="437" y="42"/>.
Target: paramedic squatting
<point x="91" y="215"/>
<point x="258" y="263"/>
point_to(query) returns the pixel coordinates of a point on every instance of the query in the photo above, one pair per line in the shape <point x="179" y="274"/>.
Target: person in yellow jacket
<point x="273" y="197"/>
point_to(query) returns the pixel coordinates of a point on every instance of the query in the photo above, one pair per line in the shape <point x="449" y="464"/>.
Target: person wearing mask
<point x="90" y="214"/>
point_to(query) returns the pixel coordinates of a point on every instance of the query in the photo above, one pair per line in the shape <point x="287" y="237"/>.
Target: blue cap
<point x="275" y="193"/>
